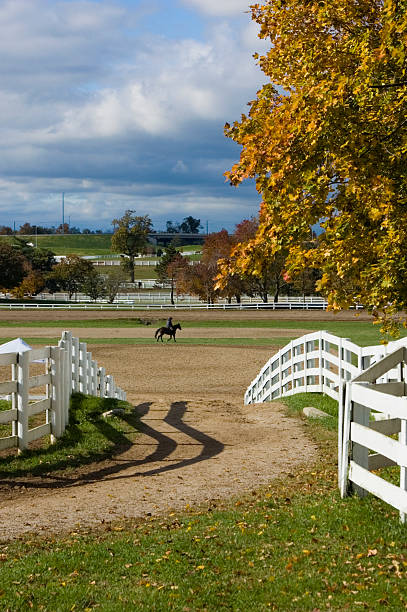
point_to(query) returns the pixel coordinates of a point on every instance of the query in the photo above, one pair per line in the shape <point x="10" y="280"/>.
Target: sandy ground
<point x="198" y="441"/>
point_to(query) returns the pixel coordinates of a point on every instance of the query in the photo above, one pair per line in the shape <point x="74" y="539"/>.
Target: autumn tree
<point x="27" y="229"/>
<point x="218" y="246"/>
<point x="170" y="267"/>
<point x="325" y="139"/>
<point x="32" y="284"/>
<point x="94" y="285"/>
<point x="69" y="275"/>
<point x="130" y="238"/>
<point x="41" y="260"/>
<point x="113" y="281"/>
<point x="199" y="280"/>
<point x="13" y="266"/>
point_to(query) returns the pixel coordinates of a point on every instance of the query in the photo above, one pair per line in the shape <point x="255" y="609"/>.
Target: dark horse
<point x="166" y="331"/>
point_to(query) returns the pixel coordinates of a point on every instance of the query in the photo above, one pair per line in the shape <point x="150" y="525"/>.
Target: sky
<point x="120" y="104"/>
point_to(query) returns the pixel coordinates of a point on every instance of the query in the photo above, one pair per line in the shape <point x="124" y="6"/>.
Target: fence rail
<point x="68" y="368"/>
<point x="133" y="304"/>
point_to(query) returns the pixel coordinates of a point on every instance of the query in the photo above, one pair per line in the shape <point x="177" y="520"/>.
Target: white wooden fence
<point x="368" y="383"/>
<point x="68" y="368"/>
<point x="366" y="443"/>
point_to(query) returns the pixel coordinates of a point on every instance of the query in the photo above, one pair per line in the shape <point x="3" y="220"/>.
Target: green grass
<point x="291" y="546"/>
<point x="88" y="438"/>
<point x="80" y="244"/>
<point x="296" y="404"/>
<point x="363" y="333"/>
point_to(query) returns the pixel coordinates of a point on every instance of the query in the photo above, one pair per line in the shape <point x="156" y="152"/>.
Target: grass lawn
<point x="291" y="546"/>
<point x="88" y="438"/>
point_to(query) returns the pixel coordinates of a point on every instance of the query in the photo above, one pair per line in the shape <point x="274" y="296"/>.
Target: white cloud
<point x="219" y="8"/>
<point x="93" y="104"/>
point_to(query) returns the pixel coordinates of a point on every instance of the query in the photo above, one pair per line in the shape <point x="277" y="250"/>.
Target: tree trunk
<point x="172" y="293"/>
<point x="131" y="267"/>
<point x="277" y="292"/>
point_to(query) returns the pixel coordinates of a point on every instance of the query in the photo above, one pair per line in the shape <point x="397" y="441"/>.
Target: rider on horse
<point x="169" y="323"/>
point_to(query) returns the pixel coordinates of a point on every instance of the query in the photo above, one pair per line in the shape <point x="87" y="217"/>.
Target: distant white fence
<point x="368" y="383"/>
<point x="68" y="368"/>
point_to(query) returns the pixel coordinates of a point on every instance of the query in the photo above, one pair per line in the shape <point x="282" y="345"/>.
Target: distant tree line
<point x="26" y="229"/>
<point x="26" y="270"/>
<point x="213" y="277"/>
<point x="189" y="225"/>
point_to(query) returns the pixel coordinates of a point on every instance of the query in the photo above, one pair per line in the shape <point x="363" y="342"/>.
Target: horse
<point x="167" y="331"/>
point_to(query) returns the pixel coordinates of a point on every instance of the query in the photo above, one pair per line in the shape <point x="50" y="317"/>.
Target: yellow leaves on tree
<point x="326" y="140"/>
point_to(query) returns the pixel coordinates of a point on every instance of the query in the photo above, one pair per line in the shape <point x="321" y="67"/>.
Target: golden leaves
<point x="332" y="146"/>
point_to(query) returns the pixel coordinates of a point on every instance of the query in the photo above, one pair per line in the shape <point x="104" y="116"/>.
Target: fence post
<point x="62" y="388"/>
<point x="88" y="374"/>
<point x="94" y="378"/>
<point x="280" y="375"/>
<point x="292" y="365"/>
<point x="346" y="440"/>
<point x="321" y="363"/>
<point x="82" y="368"/>
<point x="403" y="470"/>
<point x="340" y="407"/>
<point x="102" y="382"/>
<point x="360" y="454"/>
<point x="14" y="428"/>
<point x="304" y="348"/>
<point x="75" y="361"/>
<point x="67" y="336"/>
<point x="56" y="411"/>
<point x="22" y="399"/>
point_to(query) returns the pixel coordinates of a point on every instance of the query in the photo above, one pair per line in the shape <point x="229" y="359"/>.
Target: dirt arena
<point x="198" y="441"/>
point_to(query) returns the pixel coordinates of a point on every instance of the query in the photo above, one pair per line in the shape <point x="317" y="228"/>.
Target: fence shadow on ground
<point x="165" y="446"/>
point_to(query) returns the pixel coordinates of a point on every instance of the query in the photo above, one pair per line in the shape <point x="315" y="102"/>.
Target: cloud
<point x="219" y="8"/>
<point x="94" y="104"/>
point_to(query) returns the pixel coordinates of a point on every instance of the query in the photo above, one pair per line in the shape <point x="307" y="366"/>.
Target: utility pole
<point x="63" y="212"/>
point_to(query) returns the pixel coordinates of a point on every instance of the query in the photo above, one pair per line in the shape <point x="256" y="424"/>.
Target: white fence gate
<point x="68" y="368"/>
<point x="368" y="383"/>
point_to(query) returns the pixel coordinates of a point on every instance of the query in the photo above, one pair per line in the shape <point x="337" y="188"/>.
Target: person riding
<point x="169" y="323"/>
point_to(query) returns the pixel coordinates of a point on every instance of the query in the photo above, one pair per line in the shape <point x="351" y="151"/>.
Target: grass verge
<point x="89" y="437"/>
<point x="291" y="546"/>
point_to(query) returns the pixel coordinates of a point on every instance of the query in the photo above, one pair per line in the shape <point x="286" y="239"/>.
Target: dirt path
<point x="148" y="332"/>
<point x="198" y="442"/>
<point x="188" y="453"/>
